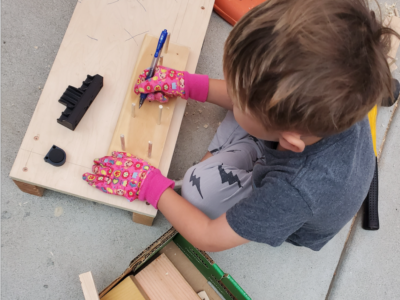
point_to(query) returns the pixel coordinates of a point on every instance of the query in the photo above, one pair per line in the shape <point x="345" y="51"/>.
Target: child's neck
<point x="308" y="140"/>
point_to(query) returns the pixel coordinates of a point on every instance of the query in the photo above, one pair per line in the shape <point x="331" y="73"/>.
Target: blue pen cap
<point x="161" y="41"/>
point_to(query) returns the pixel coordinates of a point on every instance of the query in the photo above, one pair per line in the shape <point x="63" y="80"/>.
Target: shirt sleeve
<point x="270" y="214"/>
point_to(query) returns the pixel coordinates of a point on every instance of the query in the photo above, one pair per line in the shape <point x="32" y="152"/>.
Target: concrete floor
<point x="47" y="242"/>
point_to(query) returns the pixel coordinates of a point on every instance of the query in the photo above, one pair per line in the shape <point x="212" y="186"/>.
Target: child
<point x="293" y="159"/>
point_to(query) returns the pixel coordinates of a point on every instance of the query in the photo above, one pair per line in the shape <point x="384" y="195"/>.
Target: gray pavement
<point x="371" y="262"/>
<point x="47" y="242"/>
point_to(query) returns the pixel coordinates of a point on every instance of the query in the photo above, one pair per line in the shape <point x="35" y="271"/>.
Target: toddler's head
<point x="314" y="67"/>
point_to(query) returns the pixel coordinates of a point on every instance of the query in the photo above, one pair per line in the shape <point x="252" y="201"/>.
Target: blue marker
<point x="152" y="68"/>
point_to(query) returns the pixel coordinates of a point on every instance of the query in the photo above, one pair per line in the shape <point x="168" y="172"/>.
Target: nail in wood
<point x="159" y="114"/>
<point x="133" y="110"/>
<point x="150" y="149"/>
<point x="122" y="142"/>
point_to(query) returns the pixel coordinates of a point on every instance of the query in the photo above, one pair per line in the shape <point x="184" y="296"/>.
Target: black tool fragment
<point x="78" y="101"/>
<point x="389" y="101"/>
<point x="371" y="216"/>
<point x="56" y="156"/>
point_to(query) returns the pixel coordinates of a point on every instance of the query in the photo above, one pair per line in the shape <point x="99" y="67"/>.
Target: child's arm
<point x="218" y="94"/>
<point x="195" y="226"/>
<point x="147" y="183"/>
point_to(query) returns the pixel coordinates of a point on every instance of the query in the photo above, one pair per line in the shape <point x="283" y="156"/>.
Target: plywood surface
<point x="143" y="127"/>
<point x="161" y="280"/>
<point x="103" y="37"/>
<point x="88" y="287"/>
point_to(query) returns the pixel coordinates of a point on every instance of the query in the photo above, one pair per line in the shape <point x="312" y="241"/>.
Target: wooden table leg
<point x="142" y="219"/>
<point x="29" y="188"/>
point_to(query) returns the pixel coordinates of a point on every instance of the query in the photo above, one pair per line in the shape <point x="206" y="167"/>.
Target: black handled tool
<point x="371" y="216"/>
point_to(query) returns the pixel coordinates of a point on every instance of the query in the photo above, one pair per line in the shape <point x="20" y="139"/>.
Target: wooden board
<point x="30" y="189"/>
<point x="161" y="280"/>
<point x="126" y="290"/>
<point x="88" y="287"/>
<point x="103" y="37"/>
<point x="142" y="128"/>
<point x="188" y="270"/>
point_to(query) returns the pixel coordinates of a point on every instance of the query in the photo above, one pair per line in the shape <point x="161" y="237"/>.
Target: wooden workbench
<point x="103" y="37"/>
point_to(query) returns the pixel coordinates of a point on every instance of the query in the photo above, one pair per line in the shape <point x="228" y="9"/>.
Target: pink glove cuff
<point x="196" y="86"/>
<point x="153" y="186"/>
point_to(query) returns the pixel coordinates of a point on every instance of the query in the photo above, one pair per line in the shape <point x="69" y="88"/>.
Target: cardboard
<point x="196" y="267"/>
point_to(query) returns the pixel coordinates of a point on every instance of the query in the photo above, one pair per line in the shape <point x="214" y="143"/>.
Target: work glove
<point x="126" y="175"/>
<point x="168" y="83"/>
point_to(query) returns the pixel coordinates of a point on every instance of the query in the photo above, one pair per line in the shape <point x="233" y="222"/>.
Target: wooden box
<point x="196" y="266"/>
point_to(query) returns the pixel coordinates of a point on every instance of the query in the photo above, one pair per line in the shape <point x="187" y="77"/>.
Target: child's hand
<point x="166" y="83"/>
<point x="124" y="174"/>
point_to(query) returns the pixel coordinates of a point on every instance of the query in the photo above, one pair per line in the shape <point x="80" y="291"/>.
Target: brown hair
<point x="314" y="66"/>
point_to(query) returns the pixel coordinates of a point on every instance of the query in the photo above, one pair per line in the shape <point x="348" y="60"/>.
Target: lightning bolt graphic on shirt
<point x="228" y="177"/>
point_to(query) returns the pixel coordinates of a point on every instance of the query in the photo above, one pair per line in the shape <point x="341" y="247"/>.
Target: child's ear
<point x="292" y="141"/>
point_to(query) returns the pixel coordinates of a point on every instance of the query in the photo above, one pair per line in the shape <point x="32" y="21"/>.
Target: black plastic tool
<point x="389" y="101"/>
<point x="56" y="156"/>
<point x="78" y="101"/>
<point x="371" y="215"/>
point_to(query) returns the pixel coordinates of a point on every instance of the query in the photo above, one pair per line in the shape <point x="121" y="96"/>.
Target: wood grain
<point x="104" y="38"/>
<point x="29" y="188"/>
<point x="161" y="281"/>
<point x="88" y="287"/>
<point x="189" y="271"/>
<point x="142" y="219"/>
<point x="142" y="128"/>
<point x="125" y="290"/>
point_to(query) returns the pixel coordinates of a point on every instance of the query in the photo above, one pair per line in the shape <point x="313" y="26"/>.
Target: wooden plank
<point x="71" y="183"/>
<point x="88" y="287"/>
<point x="161" y="280"/>
<point x="29" y="188"/>
<point x="142" y="128"/>
<point x="188" y="270"/>
<point x="103" y="39"/>
<point x="126" y="290"/>
<point x="142" y="219"/>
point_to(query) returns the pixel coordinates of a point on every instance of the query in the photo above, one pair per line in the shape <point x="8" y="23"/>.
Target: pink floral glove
<point x="126" y="175"/>
<point x="168" y="83"/>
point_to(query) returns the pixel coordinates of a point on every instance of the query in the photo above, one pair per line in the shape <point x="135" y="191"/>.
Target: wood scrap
<point x="126" y="290"/>
<point x="161" y="280"/>
<point x="147" y="124"/>
<point x="88" y="287"/>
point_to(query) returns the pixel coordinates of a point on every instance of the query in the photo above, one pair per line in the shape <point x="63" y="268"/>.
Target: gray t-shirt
<point x="306" y="198"/>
